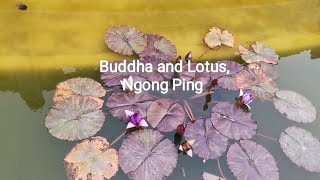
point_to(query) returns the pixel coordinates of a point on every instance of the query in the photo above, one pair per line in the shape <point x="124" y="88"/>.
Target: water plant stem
<point x="203" y="54"/>
<point x="267" y="137"/>
<point x="117" y="139"/>
<point x="220" y="169"/>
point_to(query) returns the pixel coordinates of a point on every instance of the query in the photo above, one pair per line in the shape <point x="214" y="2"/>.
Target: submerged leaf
<point x="232" y="121"/>
<point x="75" y="118"/>
<point x="79" y="86"/>
<point x="119" y="102"/>
<point x="260" y="52"/>
<point x="165" y="115"/>
<point x="160" y="47"/>
<point x="217" y="37"/>
<point x="301" y="147"/>
<point x="125" y="40"/>
<point x="145" y="156"/>
<point x="208" y="142"/>
<point x="295" y="106"/>
<point x="208" y="176"/>
<point x="155" y="75"/>
<point x="92" y="160"/>
<point x="203" y="77"/>
<point x="113" y="78"/>
<point x="251" y="161"/>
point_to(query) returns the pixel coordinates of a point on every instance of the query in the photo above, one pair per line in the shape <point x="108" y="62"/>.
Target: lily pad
<point x="155" y="75"/>
<point x="125" y="40"/>
<point x="112" y="79"/>
<point x="232" y="121"/>
<point x="295" y="106"/>
<point x="256" y="82"/>
<point x="159" y="47"/>
<point x="301" y="147"/>
<point x="92" y="159"/>
<point x="165" y="115"/>
<point x="208" y="142"/>
<point x="217" y="37"/>
<point x="248" y="77"/>
<point x="75" y="118"/>
<point x="227" y="80"/>
<point x="251" y="161"/>
<point x="145" y="156"/>
<point x="119" y="102"/>
<point x="208" y="176"/>
<point x="203" y="77"/>
<point x="79" y="86"/>
<point x="259" y="52"/>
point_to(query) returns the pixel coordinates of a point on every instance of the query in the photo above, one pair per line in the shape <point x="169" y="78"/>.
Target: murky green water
<point x="29" y="152"/>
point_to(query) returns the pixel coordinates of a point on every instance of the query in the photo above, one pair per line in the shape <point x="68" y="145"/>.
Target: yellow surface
<point x="69" y="33"/>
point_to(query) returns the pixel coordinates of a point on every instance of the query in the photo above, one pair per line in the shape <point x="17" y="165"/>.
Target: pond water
<point x="29" y="152"/>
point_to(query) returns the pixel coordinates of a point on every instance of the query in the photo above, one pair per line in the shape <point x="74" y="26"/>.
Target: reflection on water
<point x="29" y="152"/>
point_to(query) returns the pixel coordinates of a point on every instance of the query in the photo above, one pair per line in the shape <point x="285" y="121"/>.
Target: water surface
<point x="29" y="152"/>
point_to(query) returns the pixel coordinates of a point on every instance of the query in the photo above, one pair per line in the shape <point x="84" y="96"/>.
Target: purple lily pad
<point x="208" y="176"/>
<point x="113" y="78"/>
<point x="119" y="102"/>
<point x="75" y="118"/>
<point x="80" y="87"/>
<point x="208" y="142"/>
<point x="92" y="159"/>
<point x="256" y="82"/>
<point x="232" y="121"/>
<point x="231" y="67"/>
<point x="125" y="40"/>
<point x="259" y="52"/>
<point x="203" y="77"/>
<point x="159" y="47"/>
<point x="228" y="82"/>
<point x="165" y="115"/>
<point x="251" y="161"/>
<point x="155" y="75"/>
<point x="144" y="155"/>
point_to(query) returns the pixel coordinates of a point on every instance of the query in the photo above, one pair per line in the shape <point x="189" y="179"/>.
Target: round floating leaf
<point x="208" y="142"/>
<point x="113" y="78"/>
<point x="165" y="115"/>
<point x="228" y="82"/>
<point x="247" y="78"/>
<point x="269" y="69"/>
<point x="119" y="102"/>
<point x="79" y="86"/>
<point x="217" y="37"/>
<point x="145" y="156"/>
<point x="160" y="47"/>
<point x="208" y="176"/>
<point x="155" y="75"/>
<point x="260" y="52"/>
<point x="251" y="161"/>
<point x="232" y="121"/>
<point x="75" y="118"/>
<point x="203" y="77"/>
<point x="295" y="106"/>
<point x="91" y="159"/>
<point x="125" y="40"/>
<point x="301" y="147"/>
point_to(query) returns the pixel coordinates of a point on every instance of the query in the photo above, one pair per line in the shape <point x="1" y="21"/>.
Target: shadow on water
<point x="31" y="153"/>
<point x="31" y="84"/>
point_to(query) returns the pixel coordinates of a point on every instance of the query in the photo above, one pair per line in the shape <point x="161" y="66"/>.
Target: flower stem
<point x="220" y="169"/>
<point x="267" y="137"/>
<point x="203" y="54"/>
<point x="117" y="139"/>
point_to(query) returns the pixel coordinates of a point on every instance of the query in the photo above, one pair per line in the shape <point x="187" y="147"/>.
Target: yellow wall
<point x="57" y="33"/>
